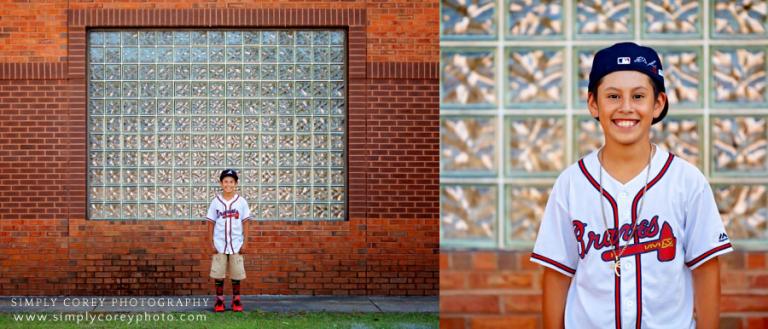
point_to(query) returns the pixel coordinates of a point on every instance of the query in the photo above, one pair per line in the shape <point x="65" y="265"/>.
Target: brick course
<point x="389" y="245"/>
<point x="399" y="30"/>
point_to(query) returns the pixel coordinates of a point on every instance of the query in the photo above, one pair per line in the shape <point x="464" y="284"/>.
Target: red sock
<point x="235" y="287"/>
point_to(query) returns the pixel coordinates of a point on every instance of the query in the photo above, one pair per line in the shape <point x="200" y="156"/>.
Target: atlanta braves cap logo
<point x="228" y="172"/>
<point x="628" y="56"/>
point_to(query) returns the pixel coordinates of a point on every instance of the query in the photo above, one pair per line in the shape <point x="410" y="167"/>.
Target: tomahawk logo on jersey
<point x="677" y="229"/>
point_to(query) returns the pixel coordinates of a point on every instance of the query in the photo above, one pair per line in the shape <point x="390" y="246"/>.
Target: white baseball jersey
<point x="229" y="217"/>
<point x="678" y="230"/>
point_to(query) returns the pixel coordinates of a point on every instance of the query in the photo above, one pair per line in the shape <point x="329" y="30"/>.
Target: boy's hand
<point x="211" y="246"/>
<point x="242" y="250"/>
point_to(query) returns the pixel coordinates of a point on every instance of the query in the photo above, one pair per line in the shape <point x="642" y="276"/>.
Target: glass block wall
<point x="169" y="110"/>
<point x="513" y="105"/>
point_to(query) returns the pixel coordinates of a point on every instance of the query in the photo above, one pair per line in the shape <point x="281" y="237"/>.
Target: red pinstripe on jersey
<point x="638" y="265"/>
<point x="615" y="209"/>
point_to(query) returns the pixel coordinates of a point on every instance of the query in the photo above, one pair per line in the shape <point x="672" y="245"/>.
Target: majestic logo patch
<point x="723" y="237"/>
<point x="623" y="60"/>
<point x="665" y="244"/>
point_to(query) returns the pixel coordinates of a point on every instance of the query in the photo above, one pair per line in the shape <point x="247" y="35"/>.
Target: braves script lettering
<point x="232" y="213"/>
<point x="587" y="240"/>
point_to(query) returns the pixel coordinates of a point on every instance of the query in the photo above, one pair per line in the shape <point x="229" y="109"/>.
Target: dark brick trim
<point x="216" y="17"/>
<point x="403" y="70"/>
<point x="36" y="71"/>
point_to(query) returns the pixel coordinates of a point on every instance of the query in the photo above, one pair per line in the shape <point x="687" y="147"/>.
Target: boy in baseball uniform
<point x="630" y="233"/>
<point x="227" y="218"/>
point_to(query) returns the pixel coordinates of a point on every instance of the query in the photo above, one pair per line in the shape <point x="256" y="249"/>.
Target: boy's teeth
<point x="625" y="123"/>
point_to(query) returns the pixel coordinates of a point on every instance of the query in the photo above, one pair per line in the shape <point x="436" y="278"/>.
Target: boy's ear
<point x="658" y="106"/>
<point x="592" y="105"/>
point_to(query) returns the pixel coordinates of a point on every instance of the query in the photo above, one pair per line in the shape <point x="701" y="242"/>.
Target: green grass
<point x="228" y="320"/>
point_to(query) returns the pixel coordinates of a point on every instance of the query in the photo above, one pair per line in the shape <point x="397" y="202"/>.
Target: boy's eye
<point x="639" y="96"/>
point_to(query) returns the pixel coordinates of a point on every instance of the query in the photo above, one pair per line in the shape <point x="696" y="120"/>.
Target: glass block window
<point x="168" y="110"/>
<point x="513" y="109"/>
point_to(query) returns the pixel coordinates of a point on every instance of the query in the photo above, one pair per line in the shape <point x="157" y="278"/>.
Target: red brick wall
<point x="398" y="30"/>
<point x="34" y="31"/>
<point x="403" y="145"/>
<point x="389" y="245"/>
<point x="495" y="289"/>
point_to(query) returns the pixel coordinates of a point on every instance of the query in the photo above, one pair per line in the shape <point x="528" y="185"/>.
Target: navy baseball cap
<point x="228" y="172"/>
<point x="628" y="56"/>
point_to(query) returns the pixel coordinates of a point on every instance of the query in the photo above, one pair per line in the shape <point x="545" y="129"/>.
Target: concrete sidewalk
<point x="264" y="303"/>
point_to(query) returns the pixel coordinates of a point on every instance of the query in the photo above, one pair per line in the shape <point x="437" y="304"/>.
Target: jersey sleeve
<point x="246" y="211"/>
<point x="211" y="216"/>
<point x="705" y="236"/>
<point x="555" y="243"/>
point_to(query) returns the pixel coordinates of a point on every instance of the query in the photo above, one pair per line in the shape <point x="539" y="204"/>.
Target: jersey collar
<point x="634" y="184"/>
<point x="225" y="202"/>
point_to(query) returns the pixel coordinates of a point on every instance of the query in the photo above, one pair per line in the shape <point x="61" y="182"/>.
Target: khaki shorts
<point x="233" y="262"/>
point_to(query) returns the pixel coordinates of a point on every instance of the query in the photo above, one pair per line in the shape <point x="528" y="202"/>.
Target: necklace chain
<point x="617" y="257"/>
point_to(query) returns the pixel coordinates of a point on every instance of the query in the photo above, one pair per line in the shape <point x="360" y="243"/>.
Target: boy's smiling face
<point x="626" y="106"/>
<point x="228" y="185"/>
